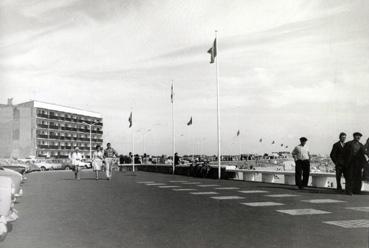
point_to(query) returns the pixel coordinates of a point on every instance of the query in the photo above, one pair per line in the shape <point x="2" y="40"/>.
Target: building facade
<point x="38" y="129"/>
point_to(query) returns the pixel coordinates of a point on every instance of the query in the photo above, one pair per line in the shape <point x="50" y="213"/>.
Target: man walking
<point x="76" y="158"/>
<point x="109" y="155"/>
<point x="354" y="162"/>
<point x="337" y="157"/>
<point x="301" y="155"/>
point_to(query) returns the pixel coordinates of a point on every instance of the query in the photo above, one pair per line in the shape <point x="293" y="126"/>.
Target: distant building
<point x="46" y="130"/>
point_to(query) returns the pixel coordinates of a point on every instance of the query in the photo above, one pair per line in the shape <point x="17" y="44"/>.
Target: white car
<point x="48" y="166"/>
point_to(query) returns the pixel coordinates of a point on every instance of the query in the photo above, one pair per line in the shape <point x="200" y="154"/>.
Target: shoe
<point x="108" y="178"/>
<point x="348" y="193"/>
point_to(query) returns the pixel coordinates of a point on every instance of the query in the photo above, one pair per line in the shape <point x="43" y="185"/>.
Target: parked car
<point x="48" y="165"/>
<point x="67" y="165"/>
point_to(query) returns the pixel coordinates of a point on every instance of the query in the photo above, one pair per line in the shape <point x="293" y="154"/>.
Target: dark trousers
<point x="302" y="172"/>
<point x="353" y="177"/>
<point x="339" y="173"/>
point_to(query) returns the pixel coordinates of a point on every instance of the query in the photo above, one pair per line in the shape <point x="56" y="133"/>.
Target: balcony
<point x="42" y="146"/>
<point x="54" y="137"/>
<point x="68" y="147"/>
<point x="44" y="136"/>
<point x="54" y="117"/>
<point x="67" y="119"/>
<point x="54" y="147"/>
<point x="62" y="137"/>
<point x="53" y="126"/>
<point x="42" y="115"/>
<point x="42" y="126"/>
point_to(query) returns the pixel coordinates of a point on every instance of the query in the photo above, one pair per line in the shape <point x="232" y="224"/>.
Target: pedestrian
<point x="97" y="160"/>
<point x="76" y="158"/>
<point x="366" y="166"/>
<point x="176" y="159"/>
<point x="337" y="157"/>
<point x="301" y="156"/>
<point x="354" y="162"/>
<point x="109" y="155"/>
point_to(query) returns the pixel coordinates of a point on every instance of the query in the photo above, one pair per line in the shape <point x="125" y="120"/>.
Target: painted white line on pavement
<point x="281" y="195"/>
<point x="227" y="188"/>
<point x="228" y="197"/>
<point x="147" y="182"/>
<point x="362" y="209"/>
<point x="361" y="223"/>
<point x="253" y="191"/>
<point x="204" y="193"/>
<point x="322" y="201"/>
<point x="262" y="204"/>
<point x="154" y="184"/>
<point x="208" y="185"/>
<point x="306" y="211"/>
<point x="184" y="189"/>
<point x="168" y="186"/>
<point x="178" y="181"/>
<point x="191" y="183"/>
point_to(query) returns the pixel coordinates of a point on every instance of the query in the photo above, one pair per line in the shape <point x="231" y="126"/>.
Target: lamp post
<point x="90" y="126"/>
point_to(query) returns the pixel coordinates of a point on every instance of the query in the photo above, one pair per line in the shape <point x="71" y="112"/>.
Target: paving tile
<point x="361" y="223"/>
<point x="282" y="195"/>
<point x="262" y="204"/>
<point x="362" y="209"/>
<point x="306" y="211"/>
<point x="228" y="197"/>
<point x="253" y="191"/>
<point x="322" y="201"/>
<point x="204" y="193"/>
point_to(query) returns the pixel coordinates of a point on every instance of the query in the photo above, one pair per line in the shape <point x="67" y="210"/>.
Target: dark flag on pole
<point x="213" y="51"/>
<point x="286" y="146"/>
<point x="260" y="140"/>
<point x="130" y="120"/>
<point x="273" y="142"/>
<point x="281" y="144"/>
<point x="171" y="93"/>
<point x="238" y="133"/>
<point x="189" y="123"/>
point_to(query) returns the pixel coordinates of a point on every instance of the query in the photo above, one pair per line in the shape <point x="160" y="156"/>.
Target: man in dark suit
<point x="338" y="158"/>
<point x="354" y="162"/>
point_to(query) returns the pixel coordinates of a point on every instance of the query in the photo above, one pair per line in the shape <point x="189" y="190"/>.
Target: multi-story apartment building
<point x="47" y="130"/>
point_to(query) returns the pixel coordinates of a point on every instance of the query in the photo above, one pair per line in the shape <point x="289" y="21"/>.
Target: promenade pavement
<point x="159" y="210"/>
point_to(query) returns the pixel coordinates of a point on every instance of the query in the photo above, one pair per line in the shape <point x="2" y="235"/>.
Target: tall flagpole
<point x="133" y="146"/>
<point x="173" y="128"/>
<point x="218" y="105"/>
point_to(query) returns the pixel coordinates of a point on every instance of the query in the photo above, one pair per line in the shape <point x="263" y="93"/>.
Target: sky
<point x="287" y="68"/>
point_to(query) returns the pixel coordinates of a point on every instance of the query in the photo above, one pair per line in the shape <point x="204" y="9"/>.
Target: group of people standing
<point x="100" y="157"/>
<point x="350" y="159"/>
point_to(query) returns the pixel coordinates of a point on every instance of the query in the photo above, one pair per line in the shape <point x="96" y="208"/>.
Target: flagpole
<point x="133" y="146"/>
<point x="218" y="106"/>
<point x="173" y="129"/>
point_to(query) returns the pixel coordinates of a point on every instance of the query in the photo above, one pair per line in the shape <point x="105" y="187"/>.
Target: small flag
<point x="238" y="133"/>
<point x="260" y="140"/>
<point x="213" y="51"/>
<point x="171" y="93"/>
<point x="190" y="122"/>
<point x="273" y="142"/>
<point x="130" y="120"/>
<point x="286" y="146"/>
<point x="281" y="144"/>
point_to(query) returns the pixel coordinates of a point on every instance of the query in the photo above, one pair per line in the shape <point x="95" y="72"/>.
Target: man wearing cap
<point x="76" y="158"/>
<point x="354" y="162"/>
<point x="109" y="155"/>
<point x="338" y="158"/>
<point x="301" y="155"/>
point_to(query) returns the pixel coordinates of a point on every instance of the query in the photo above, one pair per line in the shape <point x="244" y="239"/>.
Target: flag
<point x="260" y="140"/>
<point x="171" y="93"/>
<point x="130" y="120"/>
<point x="281" y="144"/>
<point x="213" y="51"/>
<point x="286" y="146"/>
<point x="273" y="142"/>
<point x="238" y="133"/>
<point x="189" y="122"/>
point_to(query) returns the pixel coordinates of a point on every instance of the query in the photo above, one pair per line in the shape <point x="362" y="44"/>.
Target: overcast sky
<point x="288" y="68"/>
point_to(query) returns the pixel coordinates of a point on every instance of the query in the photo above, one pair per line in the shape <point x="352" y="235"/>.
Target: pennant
<point x="281" y="144"/>
<point x="130" y="120"/>
<point x="213" y="51"/>
<point x="273" y="142"/>
<point x="286" y="146"/>
<point x="260" y="140"/>
<point x="238" y="133"/>
<point x="171" y="94"/>
<point x="190" y="122"/>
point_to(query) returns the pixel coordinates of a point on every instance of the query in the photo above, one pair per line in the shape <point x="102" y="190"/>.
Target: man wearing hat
<point x="301" y="155"/>
<point x="354" y="162"/>
<point x="338" y="158"/>
<point x="76" y="158"/>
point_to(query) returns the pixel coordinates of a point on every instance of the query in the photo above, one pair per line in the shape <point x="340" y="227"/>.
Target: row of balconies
<point x="45" y="136"/>
<point x="61" y="147"/>
<point x="84" y="130"/>
<point x="65" y="118"/>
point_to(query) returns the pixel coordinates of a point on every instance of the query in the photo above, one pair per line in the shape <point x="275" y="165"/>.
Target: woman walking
<point x="97" y="160"/>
